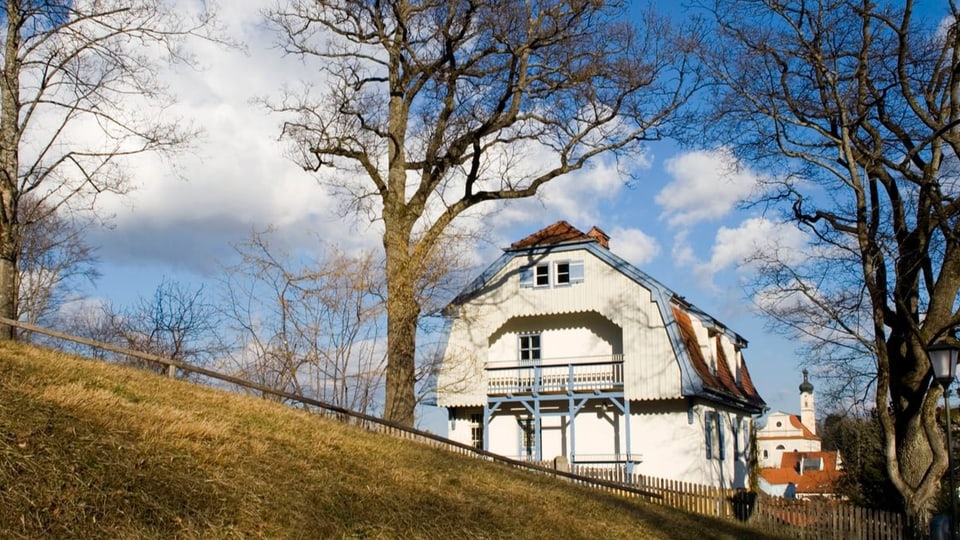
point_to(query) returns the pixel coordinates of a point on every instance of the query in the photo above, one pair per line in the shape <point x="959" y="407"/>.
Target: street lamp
<point x="943" y="360"/>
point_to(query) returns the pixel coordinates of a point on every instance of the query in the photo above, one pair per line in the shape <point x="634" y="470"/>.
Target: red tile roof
<point x="795" y="422"/>
<point x="805" y="432"/>
<point x="723" y="381"/>
<point x="559" y="233"/>
<point x="811" y="481"/>
<point x="723" y="369"/>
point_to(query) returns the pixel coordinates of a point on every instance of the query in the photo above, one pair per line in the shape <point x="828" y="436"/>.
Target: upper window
<point x="563" y="273"/>
<point x="530" y="347"/>
<point x="552" y="274"/>
<point x="542" y="275"/>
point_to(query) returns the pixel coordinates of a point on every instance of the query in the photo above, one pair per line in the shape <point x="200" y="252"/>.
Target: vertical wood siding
<point x="651" y="370"/>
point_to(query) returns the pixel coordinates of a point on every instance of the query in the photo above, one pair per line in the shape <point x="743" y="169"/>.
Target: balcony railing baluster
<point x="556" y="375"/>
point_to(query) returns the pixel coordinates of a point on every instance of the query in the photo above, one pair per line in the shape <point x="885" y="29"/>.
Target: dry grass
<point x="90" y="450"/>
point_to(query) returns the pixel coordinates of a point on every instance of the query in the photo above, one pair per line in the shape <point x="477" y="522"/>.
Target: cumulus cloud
<point x="736" y="247"/>
<point x="236" y="177"/>
<point x="706" y="185"/>
<point x="634" y="245"/>
<point x="574" y="197"/>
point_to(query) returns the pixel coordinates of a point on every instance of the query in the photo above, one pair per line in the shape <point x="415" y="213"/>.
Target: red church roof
<point x="805" y="432"/>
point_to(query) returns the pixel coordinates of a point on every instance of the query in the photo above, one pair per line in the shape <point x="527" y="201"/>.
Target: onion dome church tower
<point x="808" y="412"/>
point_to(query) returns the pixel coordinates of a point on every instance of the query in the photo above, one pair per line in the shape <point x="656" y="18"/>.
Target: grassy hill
<point x="91" y="450"/>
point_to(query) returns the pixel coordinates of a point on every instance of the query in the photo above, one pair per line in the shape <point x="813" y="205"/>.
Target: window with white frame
<point x="563" y="273"/>
<point x="529" y="347"/>
<point x="552" y="274"/>
<point x="476" y="430"/>
<point x="541" y="275"/>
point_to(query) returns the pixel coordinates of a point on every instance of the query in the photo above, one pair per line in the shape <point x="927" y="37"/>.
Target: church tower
<point x="808" y="413"/>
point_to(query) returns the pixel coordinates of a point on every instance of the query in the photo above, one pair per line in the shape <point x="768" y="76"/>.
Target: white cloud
<point x="681" y="251"/>
<point x="736" y="247"/>
<point x="706" y="186"/>
<point x="573" y="197"/>
<point x="236" y="177"/>
<point x="634" y="245"/>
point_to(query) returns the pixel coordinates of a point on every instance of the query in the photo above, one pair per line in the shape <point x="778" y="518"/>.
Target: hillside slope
<point x="91" y="450"/>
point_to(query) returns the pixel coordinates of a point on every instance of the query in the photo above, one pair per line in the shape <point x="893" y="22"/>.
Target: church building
<point x="790" y="456"/>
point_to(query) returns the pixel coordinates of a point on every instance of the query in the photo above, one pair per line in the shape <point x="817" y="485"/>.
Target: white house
<point x="562" y="348"/>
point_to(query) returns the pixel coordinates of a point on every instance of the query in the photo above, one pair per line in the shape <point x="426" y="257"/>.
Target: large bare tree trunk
<point x="850" y="111"/>
<point x="9" y="167"/>
<point x="403" y="314"/>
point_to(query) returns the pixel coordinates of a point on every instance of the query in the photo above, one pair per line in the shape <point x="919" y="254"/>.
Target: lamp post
<point x="943" y="360"/>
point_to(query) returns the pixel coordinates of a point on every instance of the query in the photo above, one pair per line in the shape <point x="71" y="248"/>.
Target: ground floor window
<point x="476" y="430"/>
<point x="713" y="430"/>
<point x="528" y="437"/>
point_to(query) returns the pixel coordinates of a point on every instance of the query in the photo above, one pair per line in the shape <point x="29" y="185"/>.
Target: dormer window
<point x="552" y="274"/>
<point x="563" y="273"/>
<point x="541" y="274"/>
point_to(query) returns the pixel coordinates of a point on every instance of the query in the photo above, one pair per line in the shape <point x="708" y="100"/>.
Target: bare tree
<point x="178" y="322"/>
<point x="90" y="319"/>
<point x="79" y="92"/>
<point x="852" y="107"/>
<point x="310" y="326"/>
<point x="433" y="107"/>
<point x="54" y="261"/>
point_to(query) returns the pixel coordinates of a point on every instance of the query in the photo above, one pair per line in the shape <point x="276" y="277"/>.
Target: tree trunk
<point x="914" y="458"/>
<point x="8" y="293"/>
<point x="403" y="313"/>
<point x="10" y="168"/>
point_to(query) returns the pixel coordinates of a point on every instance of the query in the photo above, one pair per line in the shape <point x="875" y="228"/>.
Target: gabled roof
<point x="561" y="232"/>
<point x="695" y="381"/>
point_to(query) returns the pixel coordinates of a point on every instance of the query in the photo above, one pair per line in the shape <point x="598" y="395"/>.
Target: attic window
<point x="542" y="275"/>
<point x="556" y="274"/>
<point x="563" y="273"/>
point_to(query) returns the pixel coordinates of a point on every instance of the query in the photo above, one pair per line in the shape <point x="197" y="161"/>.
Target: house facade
<point x="561" y="349"/>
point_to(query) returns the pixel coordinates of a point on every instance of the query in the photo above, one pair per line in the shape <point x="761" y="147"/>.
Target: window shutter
<point x="735" y="431"/>
<point x="720" y="447"/>
<point x="576" y="271"/>
<point x="526" y="277"/>
<point x="708" y="430"/>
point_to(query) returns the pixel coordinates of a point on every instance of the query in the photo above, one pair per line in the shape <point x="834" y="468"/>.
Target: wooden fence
<point x="814" y="520"/>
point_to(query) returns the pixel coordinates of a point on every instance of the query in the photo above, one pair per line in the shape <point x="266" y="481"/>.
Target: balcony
<point x="556" y="375"/>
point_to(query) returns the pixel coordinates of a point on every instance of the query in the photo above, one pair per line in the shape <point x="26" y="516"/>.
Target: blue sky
<point x="679" y="222"/>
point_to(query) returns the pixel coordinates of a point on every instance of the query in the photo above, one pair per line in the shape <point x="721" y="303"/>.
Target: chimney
<point x="599" y="236"/>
